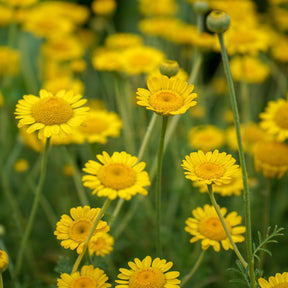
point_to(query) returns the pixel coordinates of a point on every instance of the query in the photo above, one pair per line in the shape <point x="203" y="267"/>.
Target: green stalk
<point x="158" y="184"/>
<point x="215" y="205"/>
<point x="187" y="277"/>
<point x="98" y="218"/>
<point x="34" y="208"/>
<point x="1" y="281"/>
<point x="246" y="194"/>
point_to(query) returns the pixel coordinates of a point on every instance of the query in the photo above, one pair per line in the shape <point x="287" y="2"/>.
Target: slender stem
<point x="34" y="208"/>
<point x="158" y="184"/>
<point x="187" y="277"/>
<point x="98" y="218"/>
<point x="215" y="205"/>
<point x="246" y="194"/>
<point x="1" y="281"/>
<point x="196" y="67"/>
<point x="116" y="211"/>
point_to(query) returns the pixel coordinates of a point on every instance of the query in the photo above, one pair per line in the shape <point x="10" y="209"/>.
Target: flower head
<point x="101" y="244"/>
<point x="277" y="281"/>
<point x="73" y="231"/>
<point x="3" y="261"/>
<point x="51" y="115"/>
<point x="207" y="227"/>
<point x="210" y="168"/>
<point x="88" y="277"/>
<point x="275" y="119"/>
<point x="9" y="61"/>
<point x="119" y="175"/>
<point x="148" y="273"/>
<point x="167" y="96"/>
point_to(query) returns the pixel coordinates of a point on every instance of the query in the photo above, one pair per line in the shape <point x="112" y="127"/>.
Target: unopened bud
<point x="201" y="7"/>
<point x="218" y="21"/>
<point x="169" y="68"/>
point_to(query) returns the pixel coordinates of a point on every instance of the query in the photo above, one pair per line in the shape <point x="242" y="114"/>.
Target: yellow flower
<point x="20" y="3"/>
<point x="3" y="261"/>
<point x="2" y="100"/>
<point x="6" y="15"/>
<point x="277" y="281"/>
<point x="99" y="125"/>
<point x="51" y="115"/>
<point x="207" y="227"/>
<point x="206" y="138"/>
<point x="141" y="59"/>
<point x="275" y="119"/>
<point x="31" y="140"/>
<point x="249" y="68"/>
<point x="21" y="165"/>
<point x="101" y="244"/>
<point x="118" y="176"/>
<point x="107" y="60"/>
<point x="122" y="41"/>
<point x="9" y="61"/>
<point x="148" y="273"/>
<point x="103" y="7"/>
<point x="88" y="277"/>
<point x="167" y="96"/>
<point x="68" y="170"/>
<point x="210" y="168"/>
<point x="279" y="48"/>
<point x="158" y="8"/>
<point x="73" y="231"/>
<point x="271" y="158"/>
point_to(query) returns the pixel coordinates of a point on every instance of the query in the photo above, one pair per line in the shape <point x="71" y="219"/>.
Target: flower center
<point x="84" y="282"/>
<point x="281" y="116"/>
<point x="147" y="278"/>
<point x="93" y="126"/>
<point x="51" y="111"/>
<point x="80" y="230"/>
<point x="166" y="101"/>
<point x="117" y="176"/>
<point x="209" y="170"/>
<point x="212" y="228"/>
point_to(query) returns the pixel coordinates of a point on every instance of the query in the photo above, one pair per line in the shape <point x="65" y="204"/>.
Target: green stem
<point x="246" y="194"/>
<point x="187" y="277"/>
<point x="85" y="246"/>
<point x="1" y="281"/>
<point x="116" y="210"/>
<point x="34" y="209"/>
<point x="215" y="205"/>
<point x="158" y="184"/>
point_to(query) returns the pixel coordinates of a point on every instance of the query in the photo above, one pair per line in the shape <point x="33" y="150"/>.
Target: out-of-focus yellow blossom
<point x="279" y="48"/>
<point x="228" y="116"/>
<point x="21" y="165"/>
<point x="63" y="48"/>
<point x="183" y="33"/>
<point x="1" y="99"/>
<point x="249" y="68"/>
<point x="123" y="40"/>
<point x="6" y="15"/>
<point x="107" y="60"/>
<point x="198" y="112"/>
<point x="159" y="7"/>
<point x="31" y="140"/>
<point x="103" y="7"/>
<point x="20" y="3"/>
<point x="280" y="17"/>
<point x="4" y="261"/>
<point x="220" y="85"/>
<point x="68" y="170"/>
<point x="78" y="65"/>
<point x="87" y="37"/>
<point x="9" y="61"/>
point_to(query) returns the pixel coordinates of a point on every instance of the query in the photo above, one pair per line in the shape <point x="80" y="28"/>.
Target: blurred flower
<point x="2" y="100"/>
<point x="51" y="115"/>
<point x="3" y="261"/>
<point x="167" y="96"/>
<point x="9" y="61"/>
<point x="107" y="60"/>
<point x="31" y="140"/>
<point x="73" y="231"/>
<point x="159" y="7"/>
<point x="101" y="244"/>
<point x="6" y="15"/>
<point x="103" y="7"/>
<point x="207" y="227"/>
<point x="220" y="85"/>
<point x="249" y="69"/>
<point x="148" y="273"/>
<point x="274" y="120"/>
<point x="78" y="65"/>
<point x="271" y="158"/>
<point x="206" y="137"/>
<point x="120" y="41"/>
<point x="117" y="176"/>
<point x="21" y="165"/>
<point x="279" y="46"/>
<point x="88" y="277"/>
<point x="198" y="112"/>
<point x="68" y="170"/>
<point x="277" y="281"/>
<point x="210" y="168"/>
<point x="20" y="3"/>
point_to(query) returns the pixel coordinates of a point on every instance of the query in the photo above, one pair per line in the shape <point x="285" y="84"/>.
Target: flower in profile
<point x="101" y="244"/>
<point x="87" y="277"/>
<point x="207" y="227"/>
<point x="118" y="175"/>
<point x="210" y="168"/>
<point x="271" y="158"/>
<point x="73" y="230"/>
<point x="275" y="119"/>
<point x="3" y="261"/>
<point x="121" y="41"/>
<point x="167" y="96"/>
<point x="103" y="7"/>
<point x="148" y="273"/>
<point x="206" y="138"/>
<point x="277" y="281"/>
<point x="51" y="114"/>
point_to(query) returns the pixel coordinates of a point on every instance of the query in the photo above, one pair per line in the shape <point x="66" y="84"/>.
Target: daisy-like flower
<point x="51" y="114"/>
<point x="275" y="119"/>
<point x="148" y="273"/>
<point x="88" y="277"/>
<point x="210" y="168"/>
<point x="119" y="175"/>
<point x="101" y="244"/>
<point x="277" y="281"/>
<point x="3" y="261"/>
<point x="207" y="227"/>
<point x="73" y="231"/>
<point x="167" y="96"/>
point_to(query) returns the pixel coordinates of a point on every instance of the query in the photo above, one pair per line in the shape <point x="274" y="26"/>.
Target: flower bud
<point x="218" y="21"/>
<point x="169" y="68"/>
<point x="201" y="7"/>
<point x="3" y="261"/>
